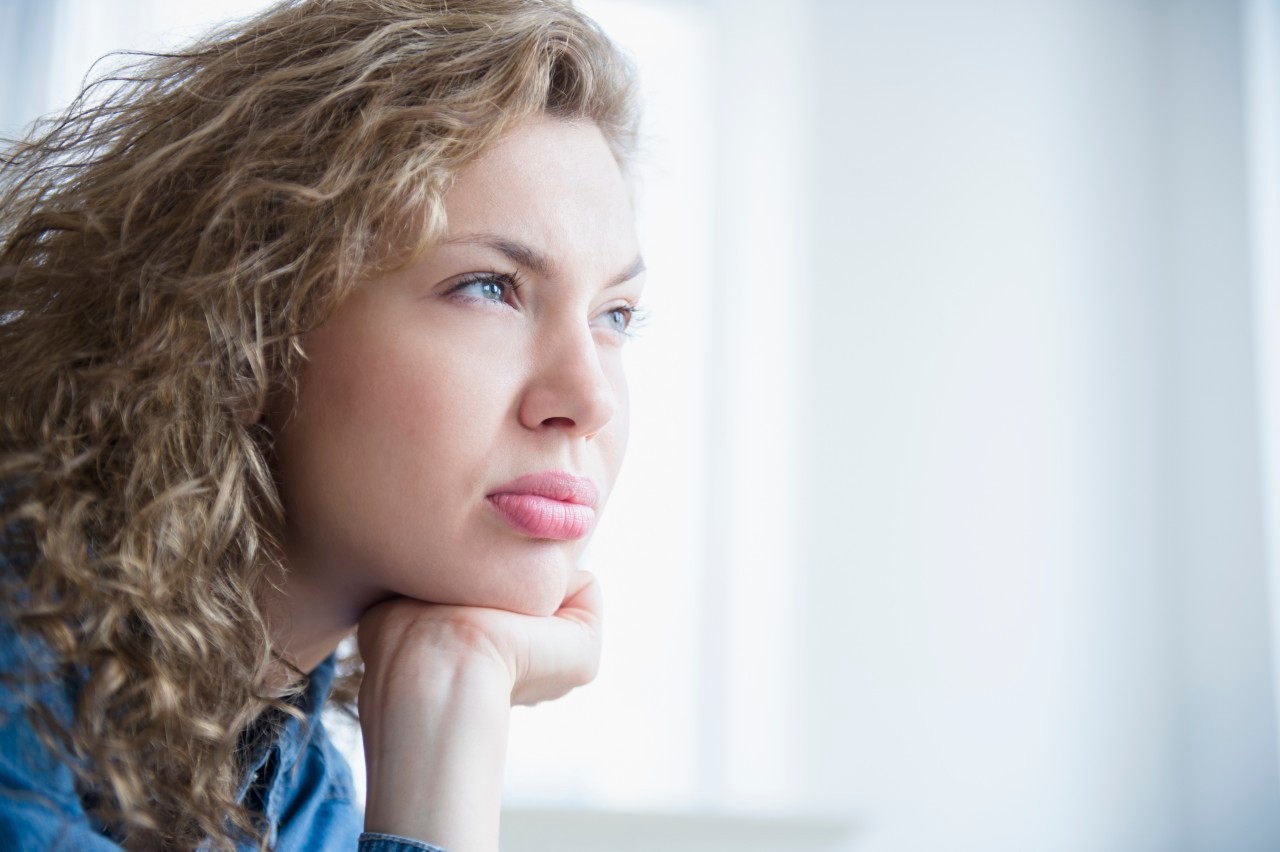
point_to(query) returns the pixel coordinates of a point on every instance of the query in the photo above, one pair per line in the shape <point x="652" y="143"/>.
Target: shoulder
<point x="39" y="800"/>
<point x="31" y="680"/>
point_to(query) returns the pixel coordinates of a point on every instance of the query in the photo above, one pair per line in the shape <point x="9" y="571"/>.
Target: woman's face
<point x="460" y="422"/>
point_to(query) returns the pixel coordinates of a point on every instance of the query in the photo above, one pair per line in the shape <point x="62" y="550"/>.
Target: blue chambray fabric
<point x="299" y="780"/>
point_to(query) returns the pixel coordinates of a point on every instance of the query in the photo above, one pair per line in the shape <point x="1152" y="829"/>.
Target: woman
<point x="314" y="326"/>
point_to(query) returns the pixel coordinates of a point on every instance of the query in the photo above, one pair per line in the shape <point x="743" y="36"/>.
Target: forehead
<point x="551" y="184"/>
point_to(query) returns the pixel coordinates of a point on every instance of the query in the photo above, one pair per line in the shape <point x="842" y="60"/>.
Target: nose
<point x="568" y="388"/>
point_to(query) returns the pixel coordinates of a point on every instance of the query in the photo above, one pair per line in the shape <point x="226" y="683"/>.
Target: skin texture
<point x="420" y="399"/>
<point x="428" y="389"/>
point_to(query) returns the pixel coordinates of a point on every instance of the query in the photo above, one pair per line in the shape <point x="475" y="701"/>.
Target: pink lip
<point x="553" y="504"/>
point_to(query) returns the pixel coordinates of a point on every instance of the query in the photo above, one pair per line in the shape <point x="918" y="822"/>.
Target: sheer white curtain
<point x="1262" y="76"/>
<point x="50" y="45"/>
<point x="26" y="33"/>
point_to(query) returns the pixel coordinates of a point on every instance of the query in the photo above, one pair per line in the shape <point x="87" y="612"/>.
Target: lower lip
<point x="542" y="517"/>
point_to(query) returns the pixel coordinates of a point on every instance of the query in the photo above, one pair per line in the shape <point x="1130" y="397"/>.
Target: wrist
<point x="435" y="751"/>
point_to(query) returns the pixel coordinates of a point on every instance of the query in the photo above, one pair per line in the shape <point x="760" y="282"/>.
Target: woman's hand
<point x="435" y="701"/>
<point x="544" y="658"/>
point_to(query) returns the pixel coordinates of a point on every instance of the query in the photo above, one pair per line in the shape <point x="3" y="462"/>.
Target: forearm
<point x="435" y="748"/>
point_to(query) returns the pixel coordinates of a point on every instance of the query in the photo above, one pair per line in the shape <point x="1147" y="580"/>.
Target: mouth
<point x="551" y="505"/>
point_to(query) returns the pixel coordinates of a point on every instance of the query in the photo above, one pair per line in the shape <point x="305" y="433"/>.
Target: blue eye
<point x="488" y="287"/>
<point x="619" y="319"/>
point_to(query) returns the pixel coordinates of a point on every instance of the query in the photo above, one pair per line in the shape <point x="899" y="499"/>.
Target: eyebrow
<point x="530" y="258"/>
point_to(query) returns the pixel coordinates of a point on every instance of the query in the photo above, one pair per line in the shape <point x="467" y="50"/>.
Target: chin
<point x="537" y="589"/>
<point x="540" y="592"/>
<point x="534" y="600"/>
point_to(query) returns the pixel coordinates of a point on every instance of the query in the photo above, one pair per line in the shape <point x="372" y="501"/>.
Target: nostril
<point x="568" y="391"/>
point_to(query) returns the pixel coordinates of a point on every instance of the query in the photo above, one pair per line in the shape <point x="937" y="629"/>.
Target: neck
<point x="307" y="618"/>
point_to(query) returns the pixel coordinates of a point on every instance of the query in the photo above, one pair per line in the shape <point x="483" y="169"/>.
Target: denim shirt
<point x="298" y="779"/>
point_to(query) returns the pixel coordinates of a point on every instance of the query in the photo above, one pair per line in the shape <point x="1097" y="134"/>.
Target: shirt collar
<point x="291" y="734"/>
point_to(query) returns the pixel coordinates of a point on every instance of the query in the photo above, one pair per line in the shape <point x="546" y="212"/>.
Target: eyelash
<point x="637" y="317"/>
<point x="510" y="282"/>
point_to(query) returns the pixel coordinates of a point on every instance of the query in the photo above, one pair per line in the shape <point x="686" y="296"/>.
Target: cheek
<point x="613" y="443"/>
<point x="381" y="417"/>
<point x="388" y="457"/>
<point x="409" y="421"/>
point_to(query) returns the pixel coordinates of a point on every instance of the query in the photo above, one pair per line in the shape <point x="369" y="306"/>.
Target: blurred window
<point x="1262" y="87"/>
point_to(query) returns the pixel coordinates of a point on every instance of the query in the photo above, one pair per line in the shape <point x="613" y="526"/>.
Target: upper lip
<point x="554" y="485"/>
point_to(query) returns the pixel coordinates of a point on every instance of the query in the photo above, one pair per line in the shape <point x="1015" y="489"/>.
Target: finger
<point x="584" y="601"/>
<point x="579" y="580"/>
<point x="565" y="655"/>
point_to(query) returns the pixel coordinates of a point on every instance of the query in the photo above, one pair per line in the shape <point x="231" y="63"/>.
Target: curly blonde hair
<point x="164" y="246"/>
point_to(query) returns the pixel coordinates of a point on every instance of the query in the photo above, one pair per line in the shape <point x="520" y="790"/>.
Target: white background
<point x="948" y="520"/>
